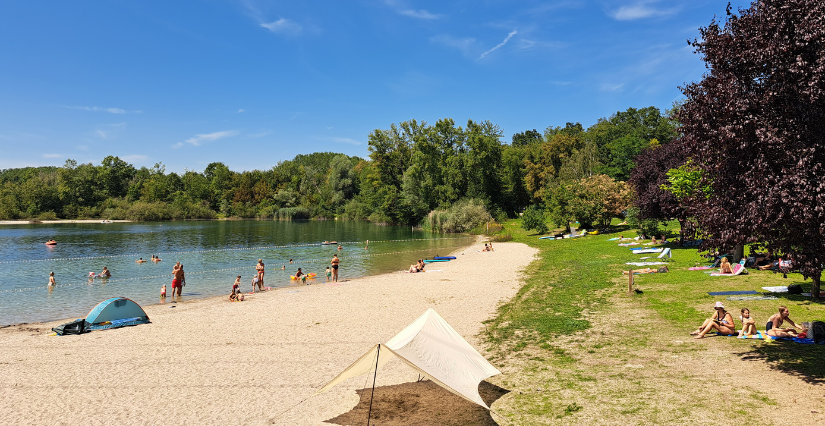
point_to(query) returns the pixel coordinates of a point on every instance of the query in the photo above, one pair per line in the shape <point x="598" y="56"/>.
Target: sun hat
<point x="719" y="305"/>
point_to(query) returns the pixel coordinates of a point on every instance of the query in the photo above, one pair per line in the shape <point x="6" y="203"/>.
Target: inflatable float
<point x="310" y="276"/>
<point x="443" y="257"/>
<point x="435" y="260"/>
<point x="51" y="242"/>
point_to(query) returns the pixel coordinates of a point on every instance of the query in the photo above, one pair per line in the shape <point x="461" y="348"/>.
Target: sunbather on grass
<point x="721" y="321"/>
<point x="776" y="321"/>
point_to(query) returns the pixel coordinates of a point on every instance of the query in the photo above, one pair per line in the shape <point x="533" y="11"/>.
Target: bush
<point x="646" y="227"/>
<point x="500" y="238"/>
<point x="462" y="216"/>
<point x="293" y="213"/>
<point x="534" y="219"/>
<point x="47" y="216"/>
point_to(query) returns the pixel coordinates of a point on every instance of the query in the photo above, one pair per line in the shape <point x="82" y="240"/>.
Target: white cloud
<point x="240" y="110"/>
<point x="419" y="14"/>
<point x="197" y="139"/>
<point x="98" y="109"/>
<point x="611" y="87"/>
<point x="52" y="155"/>
<point x="177" y="145"/>
<point x="284" y="26"/>
<point x="498" y="46"/>
<point x="346" y="140"/>
<point x="639" y="10"/>
<point x="462" y="44"/>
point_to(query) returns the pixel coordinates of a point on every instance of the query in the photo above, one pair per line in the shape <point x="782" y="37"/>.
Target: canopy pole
<point x="374" y="376"/>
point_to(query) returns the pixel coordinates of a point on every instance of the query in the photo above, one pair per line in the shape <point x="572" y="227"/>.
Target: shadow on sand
<point x="420" y="403"/>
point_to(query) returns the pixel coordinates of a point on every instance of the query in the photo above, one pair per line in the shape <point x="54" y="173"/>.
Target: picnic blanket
<point x="776" y="289"/>
<point x="699" y="268"/>
<point x="731" y="293"/>
<point x="758" y="335"/>
<point x="789" y="339"/>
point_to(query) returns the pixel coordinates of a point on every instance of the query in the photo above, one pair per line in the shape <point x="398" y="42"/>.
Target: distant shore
<point x="49" y="222"/>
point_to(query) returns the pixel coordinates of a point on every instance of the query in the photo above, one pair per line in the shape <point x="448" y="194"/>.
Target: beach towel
<point x="666" y="252"/>
<point x="752" y="298"/>
<point x="737" y="270"/>
<point x="645" y="263"/>
<point x="777" y="289"/>
<point x="627" y="244"/>
<point x="613" y="239"/>
<point x="731" y="293"/>
<point x="758" y="335"/>
<point x="789" y="339"/>
<point x="641" y="251"/>
<point x="821" y="294"/>
<point x="699" y="268"/>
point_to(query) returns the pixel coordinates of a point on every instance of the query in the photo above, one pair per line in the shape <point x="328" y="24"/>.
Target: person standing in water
<point x="52" y="283"/>
<point x="260" y="269"/>
<point x="335" y="262"/>
<point x="177" y="282"/>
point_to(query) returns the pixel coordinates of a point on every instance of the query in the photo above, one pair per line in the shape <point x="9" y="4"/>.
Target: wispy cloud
<point x="52" y="155"/>
<point x="498" y="46"/>
<point x="198" y="139"/>
<point x="420" y="14"/>
<point x="346" y="140"/>
<point x="605" y="87"/>
<point x="98" y="109"/>
<point x="284" y="26"/>
<point x="465" y="45"/>
<point x="240" y="110"/>
<point x="640" y="10"/>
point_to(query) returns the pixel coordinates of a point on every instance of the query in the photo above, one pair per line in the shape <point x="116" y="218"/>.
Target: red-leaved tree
<point x="755" y="126"/>
<point x="648" y="178"/>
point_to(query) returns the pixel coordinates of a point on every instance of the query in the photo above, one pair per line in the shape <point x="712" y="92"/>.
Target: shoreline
<point x="193" y="299"/>
<point x="58" y="221"/>
<point x="278" y="346"/>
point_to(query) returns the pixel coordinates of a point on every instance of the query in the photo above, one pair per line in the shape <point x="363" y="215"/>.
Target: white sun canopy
<point x="434" y="349"/>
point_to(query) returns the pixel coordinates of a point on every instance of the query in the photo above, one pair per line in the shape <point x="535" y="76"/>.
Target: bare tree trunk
<point x="738" y="253"/>
<point x="815" y="287"/>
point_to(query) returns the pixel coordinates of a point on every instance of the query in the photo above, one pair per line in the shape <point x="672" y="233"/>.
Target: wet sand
<point x="210" y="361"/>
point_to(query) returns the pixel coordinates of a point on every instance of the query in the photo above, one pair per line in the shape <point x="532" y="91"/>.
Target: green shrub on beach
<point x="462" y="216"/>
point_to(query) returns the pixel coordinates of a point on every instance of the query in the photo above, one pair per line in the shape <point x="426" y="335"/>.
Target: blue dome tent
<point x="115" y="312"/>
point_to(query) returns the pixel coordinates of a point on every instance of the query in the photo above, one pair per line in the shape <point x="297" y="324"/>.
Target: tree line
<point x="416" y="173"/>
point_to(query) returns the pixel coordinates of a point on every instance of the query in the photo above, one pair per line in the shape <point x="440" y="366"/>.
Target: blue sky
<point x="252" y="83"/>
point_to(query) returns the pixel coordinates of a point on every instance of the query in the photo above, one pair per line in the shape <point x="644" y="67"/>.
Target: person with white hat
<point x="721" y="321"/>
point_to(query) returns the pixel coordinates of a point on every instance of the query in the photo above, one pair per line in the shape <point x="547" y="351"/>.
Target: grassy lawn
<point x="579" y="346"/>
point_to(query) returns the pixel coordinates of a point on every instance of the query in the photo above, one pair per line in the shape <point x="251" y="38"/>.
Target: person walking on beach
<point x="260" y="268"/>
<point x="335" y="262"/>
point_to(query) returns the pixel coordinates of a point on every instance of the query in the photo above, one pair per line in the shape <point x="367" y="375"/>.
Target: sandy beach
<point x="211" y="361"/>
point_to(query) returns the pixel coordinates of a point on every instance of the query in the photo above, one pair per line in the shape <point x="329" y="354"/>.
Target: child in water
<point x="329" y="273"/>
<point x="163" y="293"/>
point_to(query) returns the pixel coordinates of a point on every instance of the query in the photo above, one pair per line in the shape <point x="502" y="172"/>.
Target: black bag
<point x="750" y="262"/>
<point x="817" y="332"/>
<point x="794" y="289"/>
<point x="75" y="327"/>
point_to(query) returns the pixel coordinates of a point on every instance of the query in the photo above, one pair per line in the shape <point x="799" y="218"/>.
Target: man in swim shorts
<point x="177" y="282"/>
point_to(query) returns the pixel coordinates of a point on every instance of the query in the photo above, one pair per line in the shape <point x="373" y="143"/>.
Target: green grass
<point x="571" y="276"/>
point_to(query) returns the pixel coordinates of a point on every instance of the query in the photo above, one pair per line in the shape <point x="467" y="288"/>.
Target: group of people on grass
<point x="722" y="323"/>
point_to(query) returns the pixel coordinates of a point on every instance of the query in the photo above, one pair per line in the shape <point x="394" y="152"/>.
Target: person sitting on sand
<point x="233" y="296"/>
<point x="51" y="279"/>
<point x="748" y="323"/>
<point x="413" y="269"/>
<point x="141" y="260"/>
<point x="773" y="327"/>
<point x="721" y="321"/>
<point x="724" y="267"/>
<point x="105" y="273"/>
<point x="240" y="297"/>
<point x="420" y="266"/>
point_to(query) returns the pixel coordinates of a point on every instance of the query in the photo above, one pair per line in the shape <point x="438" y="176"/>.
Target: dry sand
<point x="210" y="361"/>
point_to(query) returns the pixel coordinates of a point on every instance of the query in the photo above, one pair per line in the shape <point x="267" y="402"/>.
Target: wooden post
<point x="630" y="282"/>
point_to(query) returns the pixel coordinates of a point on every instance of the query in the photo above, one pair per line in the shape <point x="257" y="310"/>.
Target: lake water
<point x="213" y="254"/>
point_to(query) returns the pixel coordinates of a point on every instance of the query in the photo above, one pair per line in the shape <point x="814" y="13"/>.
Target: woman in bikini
<point x="721" y="321"/>
<point x="775" y="323"/>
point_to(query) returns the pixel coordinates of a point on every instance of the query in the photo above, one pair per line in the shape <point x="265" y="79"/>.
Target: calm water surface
<point x="213" y="254"/>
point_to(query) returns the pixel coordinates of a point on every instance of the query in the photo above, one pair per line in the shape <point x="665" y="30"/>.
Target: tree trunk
<point x="681" y="232"/>
<point x="815" y="287"/>
<point x="738" y="253"/>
